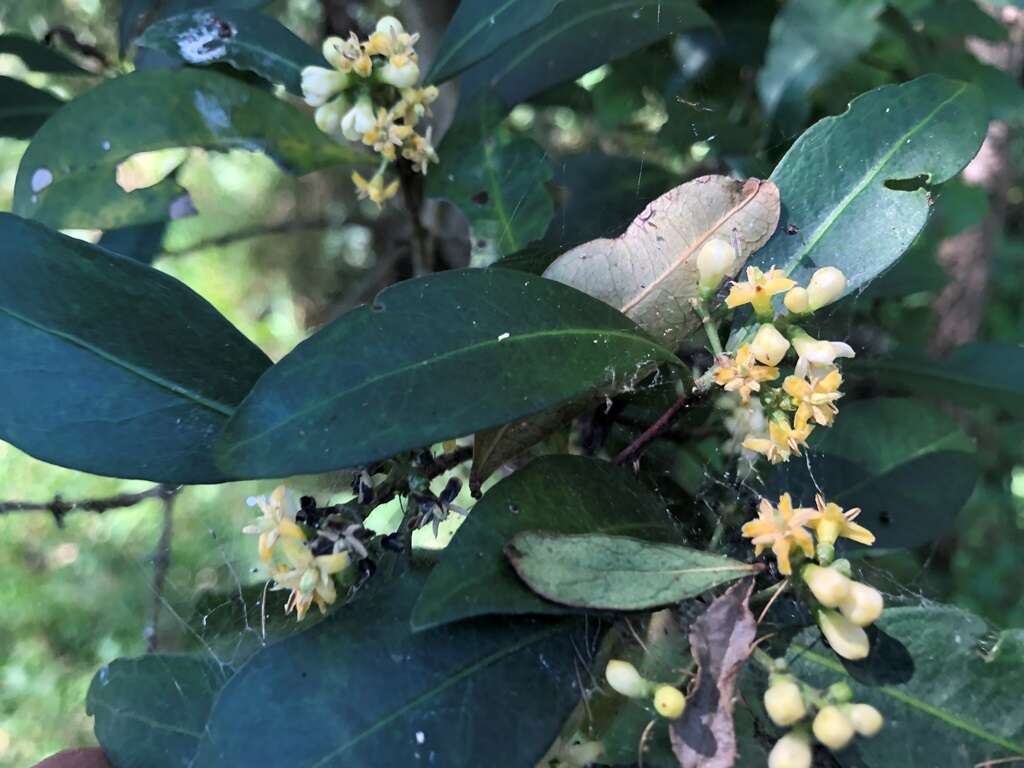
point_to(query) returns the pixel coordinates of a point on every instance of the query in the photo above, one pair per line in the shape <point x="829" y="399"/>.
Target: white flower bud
<point x="714" y="261"/>
<point x="826" y="285"/>
<point x="784" y="703"/>
<point x="832" y="728"/>
<point x="328" y="117"/>
<point x="769" y="346"/>
<point x="796" y="301"/>
<point x="669" y="702"/>
<point x="866" y="720"/>
<point x="405" y="76"/>
<point x="863" y="605"/>
<point x="828" y="585"/>
<point x="846" y="638"/>
<point x="388" y="24"/>
<point x="320" y="85"/>
<point x="358" y="120"/>
<point x="791" y="751"/>
<point x="623" y="678"/>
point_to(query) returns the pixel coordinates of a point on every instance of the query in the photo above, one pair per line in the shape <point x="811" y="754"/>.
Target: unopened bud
<point x="784" y="703"/>
<point x="404" y="76"/>
<point x="826" y="285"/>
<point x="308" y="581"/>
<point x="791" y="751"/>
<point x="769" y="346"/>
<point x="863" y="605"/>
<point x="328" y="117"/>
<point x="358" y="120"/>
<point x="320" y="85"/>
<point x="866" y="720"/>
<point x="840" y="692"/>
<point x="832" y="728"/>
<point x="796" y="301"/>
<point x="623" y="678"/>
<point x="846" y="638"/>
<point x="829" y="586"/>
<point x="389" y="24"/>
<point x="715" y="259"/>
<point x="669" y="702"/>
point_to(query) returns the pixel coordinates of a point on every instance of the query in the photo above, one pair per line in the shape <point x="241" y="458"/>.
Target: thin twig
<point x="632" y="451"/>
<point x="710" y="329"/>
<point x="775" y="596"/>
<point x="161" y="564"/>
<point x="412" y="193"/>
<point x="59" y="508"/>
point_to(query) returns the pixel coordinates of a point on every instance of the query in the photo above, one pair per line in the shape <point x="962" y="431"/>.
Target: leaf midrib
<point x="484" y="22"/>
<point x="153" y="378"/>
<point x="369" y="382"/>
<point x="431" y="693"/>
<point x="915" y="703"/>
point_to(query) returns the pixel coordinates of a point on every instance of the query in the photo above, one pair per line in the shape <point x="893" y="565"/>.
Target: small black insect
<point x="792" y="229"/>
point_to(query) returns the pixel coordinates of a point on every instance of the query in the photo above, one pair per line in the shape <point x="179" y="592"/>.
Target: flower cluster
<point x="285" y="549"/>
<point x="837" y="718"/>
<point x="667" y="700"/>
<point x="370" y="96"/>
<point x="807" y="397"/>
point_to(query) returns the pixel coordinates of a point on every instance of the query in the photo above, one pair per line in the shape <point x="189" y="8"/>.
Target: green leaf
<point x="359" y="689"/>
<point x="559" y="494"/>
<point x="24" y="108"/>
<point x="38" y="56"/>
<point x="615" y="573"/>
<point x="479" y="27"/>
<point x="110" y="366"/>
<point x="141" y="242"/>
<point x="496" y="181"/>
<point x="908" y="466"/>
<point x="78" y="150"/>
<point x="577" y="37"/>
<point x="973" y="375"/>
<point x="950" y="18"/>
<point x="136" y="15"/>
<point x="949" y="689"/>
<point x="392" y="376"/>
<point x="246" y="40"/>
<point x="151" y="711"/>
<point x="834" y="179"/>
<point x="810" y="41"/>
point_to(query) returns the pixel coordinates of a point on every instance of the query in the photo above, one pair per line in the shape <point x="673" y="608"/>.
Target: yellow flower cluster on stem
<point x="369" y="95"/>
<point x="807" y="398"/>
<point x="284" y="547"/>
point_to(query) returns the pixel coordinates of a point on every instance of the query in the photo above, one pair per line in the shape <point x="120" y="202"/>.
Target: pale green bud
<point x="829" y="586"/>
<point x="846" y="638"/>
<point x="715" y="259"/>
<point x="623" y="678"/>
<point x="669" y="702"/>
<point x="784" y="702"/>
<point x="796" y="301"/>
<point x="404" y="76"/>
<point x="863" y="605"/>
<point x="832" y="728"/>
<point x="769" y="346"/>
<point x="826" y="285"/>
<point x="866" y="720"/>
<point x="791" y="751"/>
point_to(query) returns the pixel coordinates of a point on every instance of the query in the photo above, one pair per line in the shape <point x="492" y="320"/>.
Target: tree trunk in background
<point x="967" y="256"/>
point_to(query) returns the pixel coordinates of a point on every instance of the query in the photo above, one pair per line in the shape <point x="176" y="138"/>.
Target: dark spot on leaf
<point x="908" y="185"/>
<point x="375" y="307"/>
<point x="792" y="229"/>
<point x="884" y="517"/>
<point x="481" y="198"/>
<point x="481" y="243"/>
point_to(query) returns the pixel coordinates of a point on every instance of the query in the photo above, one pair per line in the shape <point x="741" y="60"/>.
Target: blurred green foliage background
<point x="75" y="597"/>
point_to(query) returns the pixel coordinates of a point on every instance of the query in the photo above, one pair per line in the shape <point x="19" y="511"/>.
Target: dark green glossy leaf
<point x="24" y="108"/>
<point x="141" y="242"/>
<point x="950" y="18"/>
<point x="38" y="56"/>
<point x="246" y="40"/>
<point x="110" y="366"/>
<point x="948" y="687"/>
<point x="479" y="27"/>
<point x="359" y="691"/>
<point x="430" y="359"/>
<point x="1003" y="93"/>
<point x="810" y="41"/>
<point x="67" y="175"/>
<point x="973" y="375"/>
<point x="617" y="573"/>
<point x="833" y="180"/>
<point x="559" y="494"/>
<point x="577" y="37"/>
<point x="907" y="465"/>
<point x="496" y="181"/>
<point x="151" y="711"/>
<point x="136" y="15"/>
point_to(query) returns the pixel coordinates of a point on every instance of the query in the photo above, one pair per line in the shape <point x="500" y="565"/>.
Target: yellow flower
<point x="742" y="374"/>
<point x="309" y="577"/>
<point x="386" y="135"/>
<point x="758" y="290"/>
<point x="816" y="399"/>
<point x="419" y="151"/>
<point x="832" y="522"/>
<point x="279" y="510"/>
<point x="782" y="442"/>
<point x="374" y="189"/>
<point x="344" y="54"/>
<point x="415" y="104"/>
<point x="782" y="529"/>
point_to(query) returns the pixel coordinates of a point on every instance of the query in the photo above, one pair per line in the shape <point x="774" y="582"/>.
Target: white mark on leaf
<point x="41" y="179"/>
<point x="214" y="115"/>
<point x="204" y="42"/>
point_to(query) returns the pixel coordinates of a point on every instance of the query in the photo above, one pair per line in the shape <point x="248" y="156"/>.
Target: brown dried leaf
<point x="721" y="638"/>
<point x="650" y="271"/>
